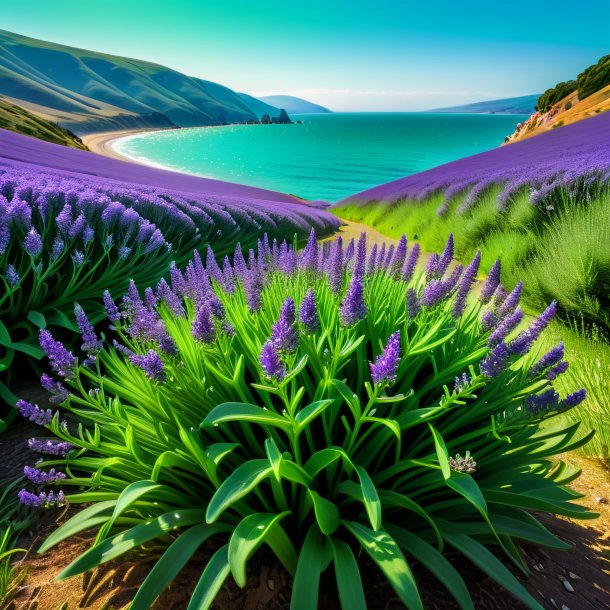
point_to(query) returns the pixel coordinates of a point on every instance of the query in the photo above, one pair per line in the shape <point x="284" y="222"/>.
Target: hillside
<point x="18" y="119"/>
<point x="259" y="107"/>
<point x="568" y="110"/>
<point x="86" y="91"/>
<point x="512" y="105"/>
<point x="294" y="105"/>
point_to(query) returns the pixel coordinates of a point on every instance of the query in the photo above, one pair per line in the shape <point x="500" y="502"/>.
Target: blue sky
<point x="349" y="55"/>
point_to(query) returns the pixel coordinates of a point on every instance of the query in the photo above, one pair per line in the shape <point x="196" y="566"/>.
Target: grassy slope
<point x="17" y="119"/>
<point x="558" y="115"/>
<point x="88" y="91"/>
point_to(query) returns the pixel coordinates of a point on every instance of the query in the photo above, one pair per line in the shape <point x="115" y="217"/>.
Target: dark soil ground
<point x="575" y="580"/>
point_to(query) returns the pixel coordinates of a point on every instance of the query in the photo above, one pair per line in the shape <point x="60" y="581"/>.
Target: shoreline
<point x="101" y="143"/>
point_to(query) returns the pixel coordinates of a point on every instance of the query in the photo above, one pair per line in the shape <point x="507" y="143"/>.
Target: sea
<point x="326" y="157"/>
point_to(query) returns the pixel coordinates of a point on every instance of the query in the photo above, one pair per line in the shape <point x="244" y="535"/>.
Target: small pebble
<point x="553" y="602"/>
<point x="271" y="584"/>
<point x="573" y="576"/>
<point x="601" y="500"/>
<point x="568" y="586"/>
<point x="564" y="607"/>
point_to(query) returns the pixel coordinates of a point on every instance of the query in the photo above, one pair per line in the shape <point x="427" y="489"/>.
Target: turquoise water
<point x="328" y="156"/>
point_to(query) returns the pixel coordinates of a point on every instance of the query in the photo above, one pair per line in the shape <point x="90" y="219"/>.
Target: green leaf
<point x="327" y="513"/>
<point x="436" y="563"/>
<point x="274" y="455"/>
<point x="350" y="398"/>
<point x="295" y="473"/>
<point x="247" y="537"/>
<point x="131" y="494"/>
<point x="240" y="482"/>
<point x="370" y="498"/>
<point x="86" y="519"/>
<point x="171" y="562"/>
<point x="132" y="538"/>
<point x="441" y="452"/>
<point x="36" y="318"/>
<point x="384" y="551"/>
<point x="492" y="566"/>
<point x="321" y="460"/>
<point x="465" y="485"/>
<point x="310" y="412"/>
<point x="211" y="581"/>
<point x="240" y="411"/>
<point x="314" y="558"/>
<point x="349" y="583"/>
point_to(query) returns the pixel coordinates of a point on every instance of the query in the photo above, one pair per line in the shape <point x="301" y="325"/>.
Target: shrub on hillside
<point x="555" y="94"/>
<point x="594" y="78"/>
<point x="331" y="404"/>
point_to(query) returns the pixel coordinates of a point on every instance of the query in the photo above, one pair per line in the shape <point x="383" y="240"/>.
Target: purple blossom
<point x="431" y="265"/>
<point x="50" y="447"/>
<point x="212" y="266"/>
<point x="42" y="417"/>
<point x="308" y="313"/>
<point x="349" y="251"/>
<point x="466" y="282"/>
<point x="58" y="392"/>
<point x="372" y="265"/>
<point x="557" y="370"/>
<point x="78" y="258"/>
<point x="39" y="477"/>
<point x="525" y="339"/>
<point x="88" y="234"/>
<point x="353" y="308"/>
<point x="511" y="301"/>
<point x="399" y="256"/>
<point x="271" y="363"/>
<point x="12" y="277"/>
<point x="112" y="311"/>
<point x="203" y="327"/>
<point x="446" y="257"/>
<point x="491" y="283"/>
<point x="360" y="261"/>
<point x="540" y="403"/>
<point x="62" y="361"/>
<point x="386" y="365"/>
<point x="574" y="399"/>
<point x="150" y="363"/>
<point x="505" y="327"/>
<point x="335" y="273"/>
<point x="495" y="362"/>
<point x="413" y="304"/>
<point x="309" y="260"/>
<point x="461" y="383"/>
<point x="32" y="243"/>
<point x="284" y="334"/>
<point x="91" y="344"/>
<point x="166" y="295"/>
<point x="551" y="358"/>
<point x="42" y="499"/>
<point x="488" y="320"/>
<point x="228" y="282"/>
<point x="410" y="263"/>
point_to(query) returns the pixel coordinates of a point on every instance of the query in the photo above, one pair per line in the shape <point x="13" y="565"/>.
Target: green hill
<point x="18" y="119"/>
<point x="86" y="91"/>
<point x="294" y="105"/>
<point x="512" y="105"/>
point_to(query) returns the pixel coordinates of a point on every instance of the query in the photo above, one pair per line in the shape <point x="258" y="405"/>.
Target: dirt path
<point x="352" y="230"/>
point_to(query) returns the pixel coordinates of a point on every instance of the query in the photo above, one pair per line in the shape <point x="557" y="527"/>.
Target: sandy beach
<point x="101" y="143"/>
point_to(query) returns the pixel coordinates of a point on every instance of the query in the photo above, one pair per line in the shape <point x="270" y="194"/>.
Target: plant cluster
<point x="329" y="404"/>
<point x="594" y="78"/>
<point x="66" y="239"/>
<point x="555" y="94"/>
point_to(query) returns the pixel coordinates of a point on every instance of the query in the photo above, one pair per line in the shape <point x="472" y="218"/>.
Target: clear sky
<point x="346" y="54"/>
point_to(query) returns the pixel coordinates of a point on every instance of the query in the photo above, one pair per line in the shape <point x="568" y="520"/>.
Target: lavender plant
<point x="318" y="403"/>
<point x="64" y="239"/>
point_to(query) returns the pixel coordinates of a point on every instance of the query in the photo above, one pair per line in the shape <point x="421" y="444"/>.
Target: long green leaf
<point x="314" y="558"/>
<point x="493" y="567"/>
<point x="310" y="412"/>
<point x="240" y="482"/>
<point x="327" y="513"/>
<point x="349" y="583"/>
<point x="240" y="411"/>
<point x="126" y="541"/>
<point x="247" y="537"/>
<point x="370" y="498"/>
<point x="171" y="563"/>
<point x="384" y="551"/>
<point x="441" y="451"/>
<point x="211" y="581"/>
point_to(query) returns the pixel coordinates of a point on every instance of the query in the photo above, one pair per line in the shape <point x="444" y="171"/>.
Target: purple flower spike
<point x="42" y="499"/>
<point x="62" y="361"/>
<point x="413" y="305"/>
<point x="465" y="285"/>
<point x="308" y="313"/>
<point x="335" y="273"/>
<point x="431" y="266"/>
<point x="386" y="366"/>
<point x="541" y="403"/>
<point x="399" y="256"/>
<point x="574" y="399"/>
<point x="360" y="261"/>
<point x="551" y="358"/>
<point x="495" y="362"/>
<point x="12" y="276"/>
<point x="349" y="251"/>
<point x="284" y="335"/>
<point x="511" y="301"/>
<point x="112" y="311"/>
<point x="271" y="363"/>
<point x="211" y="265"/>
<point x="557" y="370"/>
<point x="39" y="477"/>
<point x="353" y="308"/>
<point x="505" y="327"/>
<point x="488" y="320"/>
<point x="446" y="257"/>
<point x="309" y="260"/>
<point x="228" y="282"/>
<point x="521" y="345"/>
<point x="91" y="344"/>
<point x="32" y="243"/>
<point x="239" y="262"/>
<point x="50" y="447"/>
<point x="150" y="363"/>
<point x="34" y="413"/>
<point x="491" y="283"/>
<point x="410" y="263"/>
<point x="372" y="266"/>
<point x="58" y="392"/>
<point x="203" y="327"/>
